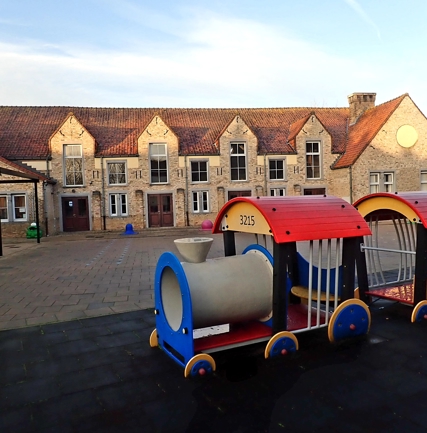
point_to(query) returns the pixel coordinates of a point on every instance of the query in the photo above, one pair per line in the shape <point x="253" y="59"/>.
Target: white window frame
<point x="7" y="207"/>
<point x="199" y="172"/>
<point x="116" y="201"/>
<point x="75" y="157"/>
<point x="275" y="170"/>
<point x="423" y="180"/>
<point x="111" y="163"/>
<point x="236" y="156"/>
<point x="379" y="181"/>
<point x="158" y="157"/>
<point x="277" y="192"/>
<point x="312" y="155"/>
<point x="198" y="200"/>
<point x="14" y="207"/>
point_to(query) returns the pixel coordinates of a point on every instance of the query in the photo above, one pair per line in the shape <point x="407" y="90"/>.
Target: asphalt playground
<point x="75" y="319"/>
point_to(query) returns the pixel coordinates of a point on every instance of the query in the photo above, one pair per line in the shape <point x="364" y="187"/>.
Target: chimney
<point x="359" y="103"/>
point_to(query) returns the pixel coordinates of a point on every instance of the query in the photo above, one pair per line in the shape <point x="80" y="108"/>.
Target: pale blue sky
<point x="217" y="53"/>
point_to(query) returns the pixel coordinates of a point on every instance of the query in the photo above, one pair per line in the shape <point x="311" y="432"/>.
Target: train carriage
<point x="305" y="281"/>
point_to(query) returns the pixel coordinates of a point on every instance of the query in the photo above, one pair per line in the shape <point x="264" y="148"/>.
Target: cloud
<point x="213" y="62"/>
<point x="365" y="17"/>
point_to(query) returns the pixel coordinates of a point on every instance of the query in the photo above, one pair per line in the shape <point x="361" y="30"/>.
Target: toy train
<point x="307" y="281"/>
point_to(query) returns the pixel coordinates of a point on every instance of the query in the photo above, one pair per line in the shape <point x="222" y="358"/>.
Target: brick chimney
<point x="359" y="103"/>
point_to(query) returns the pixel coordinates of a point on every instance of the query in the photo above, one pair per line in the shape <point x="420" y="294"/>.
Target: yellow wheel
<point x="419" y="312"/>
<point x="281" y="344"/>
<point x="154" y="341"/>
<point x="200" y="365"/>
<point x="351" y="318"/>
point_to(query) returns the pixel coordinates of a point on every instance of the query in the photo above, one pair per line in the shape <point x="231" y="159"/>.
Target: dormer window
<point x="313" y="159"/>
<point x="238" y="161"/>
<point x="158" y="163"/>
<point x="73" y="164"/>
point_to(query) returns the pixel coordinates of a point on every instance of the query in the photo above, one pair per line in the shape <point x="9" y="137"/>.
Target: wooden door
<point x="233" y="194"/>
<point x="75" y="214"/>
<point x="160" y="210"/>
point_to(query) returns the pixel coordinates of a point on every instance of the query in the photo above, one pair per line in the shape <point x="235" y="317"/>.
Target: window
<point x="3" y="208"/>
<point x="73" y="162"/>
<point x="116" y="173"/>
<point x="118" y="205"/>
<point x="200" y="201"/>
<point x="158" y="163"/>
<point x="423" y="181"/>
<point x="381" y="182"/>
<point x="312" y="154"/>
<point x="277" y="192"/>
<point x="276" y="169"/>
<point x="19" y="206"/>
<point x="199" y="171"/>
<point x="238" y="161"/>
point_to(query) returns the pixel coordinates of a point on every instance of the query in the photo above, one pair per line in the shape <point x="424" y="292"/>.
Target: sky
<point x="211" y="53"/>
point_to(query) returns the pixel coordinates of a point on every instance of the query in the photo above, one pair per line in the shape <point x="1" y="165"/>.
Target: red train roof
<point x="291" y="219"/>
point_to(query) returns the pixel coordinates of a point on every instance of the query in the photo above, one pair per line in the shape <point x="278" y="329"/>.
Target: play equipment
<point x="396" y="254"/>
<point x="307" y="282"/>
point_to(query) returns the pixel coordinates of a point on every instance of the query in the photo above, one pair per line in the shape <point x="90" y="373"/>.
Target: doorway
<point x="75" y="214"/>
<point x="234" y="194"/>
<point x="160" y="210"/>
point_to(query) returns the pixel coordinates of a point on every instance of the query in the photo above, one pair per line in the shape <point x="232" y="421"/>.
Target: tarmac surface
<point x="76" y="315"/>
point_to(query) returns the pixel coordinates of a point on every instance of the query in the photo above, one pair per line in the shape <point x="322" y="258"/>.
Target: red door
<point x="75" y="214"/>
<point x="233" y="194"/>
<point x="160" y="210"/>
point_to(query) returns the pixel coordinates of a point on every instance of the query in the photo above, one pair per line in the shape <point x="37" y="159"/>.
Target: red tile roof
<point x="365" y="129"/>
<point x="25" y="131"/>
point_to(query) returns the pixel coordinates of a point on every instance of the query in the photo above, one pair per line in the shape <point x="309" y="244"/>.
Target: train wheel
<point x="281" y="343"/>
<point x="154" y="341"/>
<point x="199" y="365"/>
<point x="419" y="313"/>
<point x="352" y="318"/>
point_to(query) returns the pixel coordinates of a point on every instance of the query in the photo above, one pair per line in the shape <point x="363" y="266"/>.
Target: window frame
<point x="158" y="169"/>
<point x="117" y="174"/>
<point x="6" y="197"/>
<point x="68" y="157"/>
<point x="198" y="161"/>
<point x="237" y="156"/>
<point x="118" y="196"/>
<point x="423" y="172"/>
<point x="275" y="190"/>
<point x="200" y="201"/>
<point x="313" y="154"/>
<point x="14" y="207"/>
<point x="381" y="184"/>
<point x="283" y="161"/>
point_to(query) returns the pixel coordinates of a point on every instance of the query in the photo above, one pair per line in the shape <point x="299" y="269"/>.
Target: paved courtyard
<point x="82" y="275"/>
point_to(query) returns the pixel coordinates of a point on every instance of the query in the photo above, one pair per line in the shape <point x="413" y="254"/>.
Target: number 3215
<point x="247" y="220"/>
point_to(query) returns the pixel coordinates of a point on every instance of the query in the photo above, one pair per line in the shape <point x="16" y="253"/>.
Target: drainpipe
<point x="265" y="174"/>
<point x="103" y="195"/>
<point x="45" y="206"/>
<point x="187" y="221"/>
<point x="351" y="184"/>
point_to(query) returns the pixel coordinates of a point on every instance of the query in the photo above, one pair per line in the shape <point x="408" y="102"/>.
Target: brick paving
<point x="78" y="276"/>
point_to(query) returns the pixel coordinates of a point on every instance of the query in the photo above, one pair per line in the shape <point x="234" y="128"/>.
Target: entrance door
<point x="75" y="214"/>
<point x="160" y="211"/>
<point x="233" y="194"/>
<point x="314" y="191"/>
